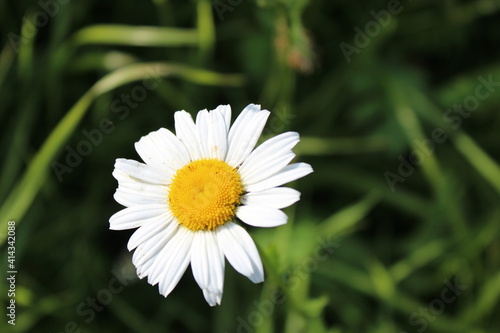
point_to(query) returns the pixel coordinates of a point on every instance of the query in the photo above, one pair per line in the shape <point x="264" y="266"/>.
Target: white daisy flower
<point x="193" y="185"/>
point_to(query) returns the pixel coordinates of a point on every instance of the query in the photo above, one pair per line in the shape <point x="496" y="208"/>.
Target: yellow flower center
<point x="205" y="193"/>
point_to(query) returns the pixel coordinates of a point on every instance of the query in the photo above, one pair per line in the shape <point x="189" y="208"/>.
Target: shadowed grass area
<point x="397" y="105"/>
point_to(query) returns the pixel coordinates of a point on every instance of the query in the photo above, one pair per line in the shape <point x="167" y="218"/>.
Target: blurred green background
<point x="397" y="106"/>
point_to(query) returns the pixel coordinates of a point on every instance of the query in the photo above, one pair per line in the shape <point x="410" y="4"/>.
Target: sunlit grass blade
<point x="487" y="298"/>
<point x="382" y="281"/>
<point x="420" y="257"/>
<point x="483" y="163"/>
<point x="411" y="125"/>
<point x="344" y="221"/>
<point x="205" y="27"/>
<point x="114" y="34"/>
<point x="101" y="61"/>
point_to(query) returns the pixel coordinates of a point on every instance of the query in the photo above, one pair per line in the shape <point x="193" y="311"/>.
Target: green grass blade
<point x="344" y="221"/>
<point x="206" y="28"/>
<point x="483" y="164"/>
<point x="136" y="36"/>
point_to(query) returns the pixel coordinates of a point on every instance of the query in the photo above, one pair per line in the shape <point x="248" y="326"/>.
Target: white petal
<point x="202" y="130"/>
<point x="244" y="134"/>
<point x="147" y="253"/>
<point x="135" y="216"/>
<point x="172" y="261"/>
<point x="144" y="189"/>
<point x="186" y="132"/>
<point x="146" y="231"/>
<point x="240" y="251"/>
<point x="261" y="216"/>
<point x="277" y="197"/>
<point x="132" y="193"/>
<point x="199" y="259"/>
<point x="207" y="263"/>
<point x="218" y="136"/>
<point x="267" y="158"/>
<point x="211" y="298"/>
<point x="212" y="134"/>
<point x="163" y="150"/>
<point x="139" y="172"/>
<point x="263" y="171"/>
<point x="225" y="111"/>
<point x="174" y="144"/>
<point x="151" y="247"/>
<point x="152" y="152"/>
<point x="287" y="174"/>
<point x="124" y="178"/>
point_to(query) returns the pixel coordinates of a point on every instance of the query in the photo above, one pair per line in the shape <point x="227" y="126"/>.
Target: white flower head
<point x="186" y="196"/>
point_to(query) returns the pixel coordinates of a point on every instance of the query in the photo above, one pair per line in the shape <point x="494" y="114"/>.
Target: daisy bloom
<point x="185" y="198"/>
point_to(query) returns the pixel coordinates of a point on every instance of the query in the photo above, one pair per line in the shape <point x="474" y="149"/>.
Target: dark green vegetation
<point x="398" y="108"/>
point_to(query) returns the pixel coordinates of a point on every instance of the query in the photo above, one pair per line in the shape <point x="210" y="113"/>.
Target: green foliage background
<point x="356" y="255"/>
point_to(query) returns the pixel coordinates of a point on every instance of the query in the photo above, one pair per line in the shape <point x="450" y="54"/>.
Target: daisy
<point x="185" y="198"/>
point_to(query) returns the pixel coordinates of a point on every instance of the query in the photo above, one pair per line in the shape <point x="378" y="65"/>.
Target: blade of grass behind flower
<point x="345" y="220"/>
<point x="205" y="27"/>
<point x="479" y="160"/>
<point x="115" y="34"/>
<point x="487" y="297"/>
<point x="418" y="258"/>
